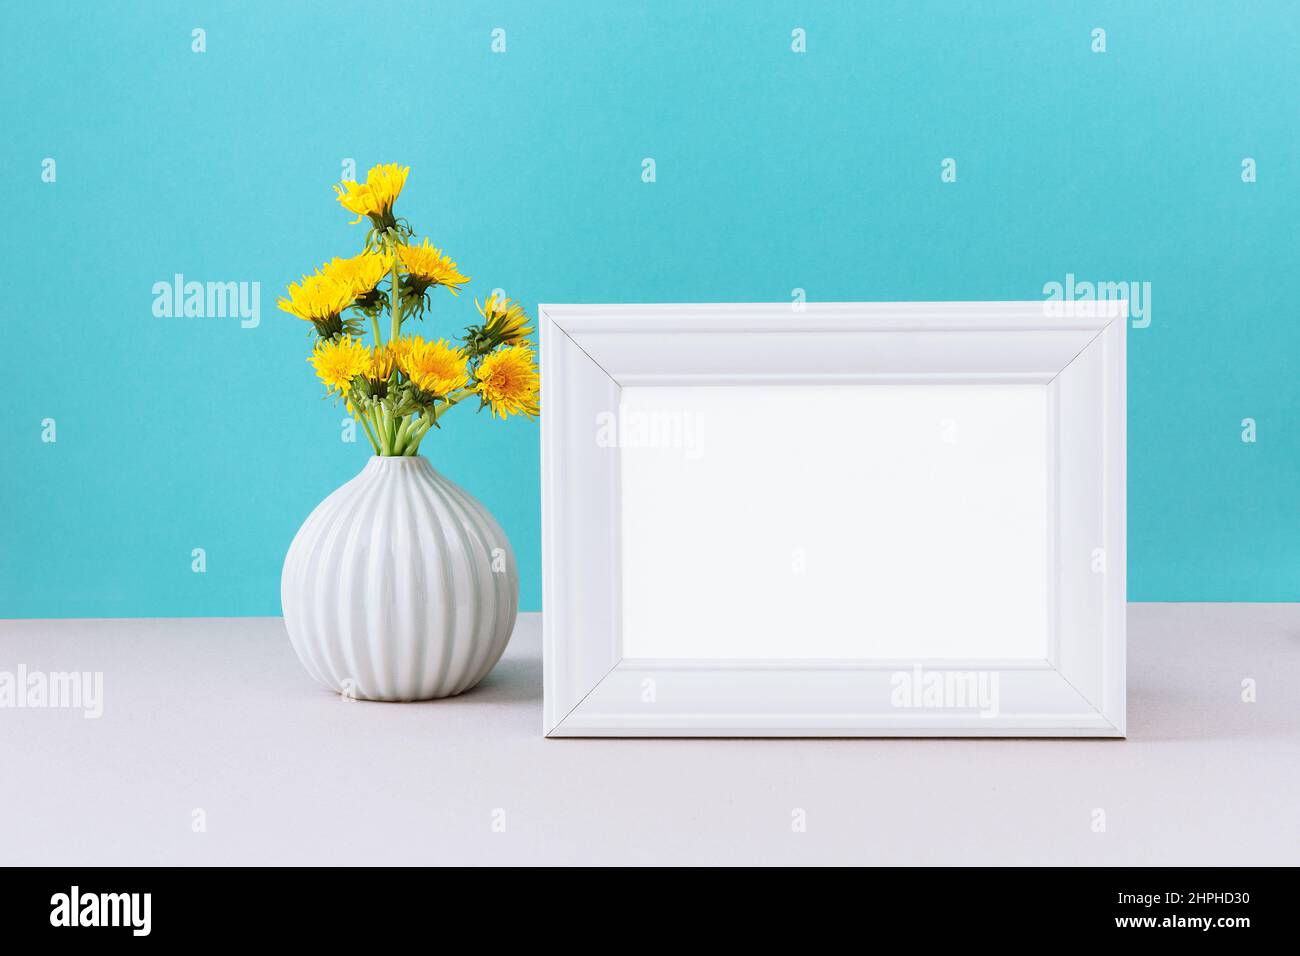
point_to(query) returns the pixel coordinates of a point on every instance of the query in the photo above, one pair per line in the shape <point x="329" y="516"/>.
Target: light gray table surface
<point x="215" y="720"/>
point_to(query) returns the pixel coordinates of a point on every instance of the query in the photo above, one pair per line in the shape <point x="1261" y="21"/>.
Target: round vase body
<point x="399" y="586"/>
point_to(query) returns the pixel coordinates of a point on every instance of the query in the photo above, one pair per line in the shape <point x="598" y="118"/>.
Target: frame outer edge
<point x="1112" y="326"/>
<point x="550" y="602"/>
<point x="1115" y="701"/>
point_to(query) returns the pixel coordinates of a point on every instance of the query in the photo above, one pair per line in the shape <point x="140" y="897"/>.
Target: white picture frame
<point x="1060" y="567"/>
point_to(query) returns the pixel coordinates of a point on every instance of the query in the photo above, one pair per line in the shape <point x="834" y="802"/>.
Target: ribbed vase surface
<point x="399" y="586"/>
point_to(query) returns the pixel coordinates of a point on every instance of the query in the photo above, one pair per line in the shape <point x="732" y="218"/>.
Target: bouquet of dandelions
<point x="399" y="389"/>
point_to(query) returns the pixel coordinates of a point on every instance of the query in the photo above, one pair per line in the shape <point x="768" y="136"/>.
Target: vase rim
<point x="399" y="459"/>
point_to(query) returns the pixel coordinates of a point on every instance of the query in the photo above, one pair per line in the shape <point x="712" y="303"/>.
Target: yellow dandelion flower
<point x="382" y="362"/>
<point x="319" y="300"/>
<point x="400" y="349"/>
<point x="361" y="273"/>
<point x="426" y="266"/>
<point x="375" y="197"/>
<point x="336" y="286"/>
<point x="505" y="322"/>
<point x="508" y="382"/>
<point x="434" y="367"/>
<point x="338" y="362"/>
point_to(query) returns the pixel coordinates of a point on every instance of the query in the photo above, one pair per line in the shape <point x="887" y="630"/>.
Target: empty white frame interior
<point x="762" y="522"/>
<point x="863" y="522"/>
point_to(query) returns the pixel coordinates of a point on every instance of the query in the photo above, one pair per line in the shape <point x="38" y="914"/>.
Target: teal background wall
<point x="775" y="171"/>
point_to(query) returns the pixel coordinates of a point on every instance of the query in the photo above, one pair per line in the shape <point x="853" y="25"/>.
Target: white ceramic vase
<point x="399" y="586"/>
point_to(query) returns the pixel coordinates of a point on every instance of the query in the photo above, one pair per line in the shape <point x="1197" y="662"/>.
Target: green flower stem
<point x="420" y="426"/>
<point x="381" y="429"/>
<point x="390" y="430"/>
<point x="413" y="437"/>
<point x="395" y="296"/>
<point x="404" y="435"/>
<point x="365" y="423"/>
<point x="413" y="446"/>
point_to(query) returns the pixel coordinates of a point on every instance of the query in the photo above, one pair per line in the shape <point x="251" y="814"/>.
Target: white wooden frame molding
<point x="590" y="352"/>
